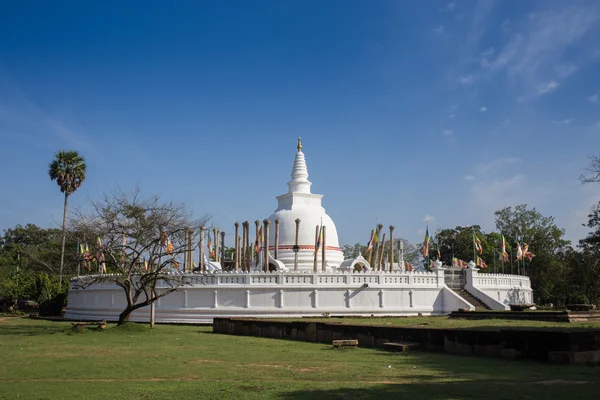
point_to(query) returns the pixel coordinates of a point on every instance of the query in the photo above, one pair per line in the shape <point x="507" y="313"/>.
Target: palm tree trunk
<point x="64" y="235"/>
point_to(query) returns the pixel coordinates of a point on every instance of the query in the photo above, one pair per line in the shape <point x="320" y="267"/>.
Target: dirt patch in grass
<point x="204" y="361"/>
<point x="288" y="367"/>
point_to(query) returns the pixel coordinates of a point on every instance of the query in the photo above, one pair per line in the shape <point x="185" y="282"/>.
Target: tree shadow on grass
<point x="464" y="377"/>
<point x="467" y="389"/>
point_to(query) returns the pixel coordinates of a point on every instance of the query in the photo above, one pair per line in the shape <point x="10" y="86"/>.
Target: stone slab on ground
<point x="400" y="346"/>
<point x="345" y="343"/>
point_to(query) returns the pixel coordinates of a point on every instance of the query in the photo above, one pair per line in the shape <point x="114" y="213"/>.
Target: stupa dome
<point x="300" y="203"/>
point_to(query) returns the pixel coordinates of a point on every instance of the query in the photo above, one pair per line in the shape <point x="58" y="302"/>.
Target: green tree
<point x="585" y="264"/>
<point x="68" y="170"/>
<point x="36" y="249"/>
<point x="458" y="242"/>
<point x="15" y="284"/>
<point x="545" y="240"/>
<point x="352" y="251"/>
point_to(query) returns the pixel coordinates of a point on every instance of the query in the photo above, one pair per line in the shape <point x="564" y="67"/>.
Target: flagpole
<point x="370" y="250"/>
<point x="495" y="270"/>
<point x="474" y="259"/>
<point x="503" y="250"/>
<point x="523" y="239"/>
<point x="78" y="262"/>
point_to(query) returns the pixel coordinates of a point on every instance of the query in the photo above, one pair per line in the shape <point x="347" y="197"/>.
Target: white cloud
<point x="439" y="29"/>
<point x="448" y="133"/>
<point x="428" y="218"/>
<point x="466" y="80"/>
<point x="593" y="98"/>
<point x="449" y="7"/>
<point x="481" y="168"/>
<point x="485" y="56"/>
<point x="565" y="70"/>
<point x="506" y="27"/>
<point x="451" y="116"/>
<point x="547" y="87"/>
<point x="539" y="48"/>
<point x="483" y="109"/>
<point x="469" y="177"/>
<point x="22" y="114"/>
<point x="498" y="193"/>
<point x="566" y="121"/>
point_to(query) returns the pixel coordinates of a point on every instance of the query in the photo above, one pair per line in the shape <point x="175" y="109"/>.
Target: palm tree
<point x="68" y="170"/>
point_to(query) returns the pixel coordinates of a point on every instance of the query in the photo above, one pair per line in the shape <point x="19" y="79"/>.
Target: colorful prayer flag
<point x="259" y="239"/>
<point x="170" y="247"/>
<point x="426" y="242"/>
<point x="477" y="243"/>
<point x="519" y="251"/>
<point x="526" y="253"/>
<point x="319" y="239"/>
<point x="504" y="253"/>
<point x="211" y="252"/>
<point x="529" y="255"/>
<point x="371" y="241"/>
<point x="479" y="262"/>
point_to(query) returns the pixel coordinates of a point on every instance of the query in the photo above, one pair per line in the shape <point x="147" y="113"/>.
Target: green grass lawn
<point x="46" y="360"/>
<point x="447" y="322"/>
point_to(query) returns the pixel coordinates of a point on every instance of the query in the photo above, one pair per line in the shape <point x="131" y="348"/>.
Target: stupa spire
<point x="299" y="182"/>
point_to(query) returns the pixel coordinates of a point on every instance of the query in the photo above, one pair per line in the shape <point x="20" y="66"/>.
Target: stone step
<point x="400" y="346"/>
<point x="478" y="304"/>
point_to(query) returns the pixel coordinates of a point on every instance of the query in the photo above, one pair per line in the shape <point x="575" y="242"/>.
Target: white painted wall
<point x="279" y="294"/>
<point x="498" y="291"/>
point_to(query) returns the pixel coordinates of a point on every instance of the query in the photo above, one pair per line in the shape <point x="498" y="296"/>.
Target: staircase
<point x="478" y="304"/>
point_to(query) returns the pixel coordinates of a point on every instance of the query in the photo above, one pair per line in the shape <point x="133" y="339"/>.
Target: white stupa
<point x="300" y="203"/>
<point x="346" y="287"/>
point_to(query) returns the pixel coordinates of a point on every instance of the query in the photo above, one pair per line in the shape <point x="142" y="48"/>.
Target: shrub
<point x="53" y="306"/>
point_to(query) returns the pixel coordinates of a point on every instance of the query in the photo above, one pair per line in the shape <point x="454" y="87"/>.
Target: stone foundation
<point x="558" y="346"/>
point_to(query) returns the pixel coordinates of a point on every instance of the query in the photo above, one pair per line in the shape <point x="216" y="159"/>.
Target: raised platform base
<point x="559" y="345"/>
<point x="548" y="316"/>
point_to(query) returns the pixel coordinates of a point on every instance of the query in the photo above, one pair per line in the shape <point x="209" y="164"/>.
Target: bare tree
<point x="593" y="171"/>
<point x="139" y="245"/>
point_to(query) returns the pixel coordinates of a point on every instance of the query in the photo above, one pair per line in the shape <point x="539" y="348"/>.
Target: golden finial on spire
<point x="299" y="144"/>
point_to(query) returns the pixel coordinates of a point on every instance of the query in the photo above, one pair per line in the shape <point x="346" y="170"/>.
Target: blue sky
<point x="409" y="111"/>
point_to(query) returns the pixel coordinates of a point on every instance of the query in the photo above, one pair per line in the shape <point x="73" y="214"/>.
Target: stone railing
<point x="299" y="278"/>
<point x="501" y="280"/>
